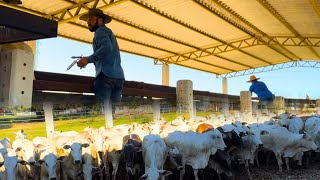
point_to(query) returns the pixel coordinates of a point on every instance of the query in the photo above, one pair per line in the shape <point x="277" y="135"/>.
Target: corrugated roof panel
<point x="303" y="52"/>
<point x="204" y="67"/>
<point x="200" y="17"/>
<point x="45" y="6"/>
<point x="257" y="15"/>
<point x="222" y="62"/>
<point x="132" y="12"/>
<point x="243" y="58"/>
<point x="139" y="35"/>
<point x="139" y="49"/>
<point x="299" y="14"/>
<point x="267" y="53"/>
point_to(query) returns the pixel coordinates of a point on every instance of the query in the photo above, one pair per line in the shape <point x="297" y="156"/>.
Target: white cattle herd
<point x="161" y="150"/>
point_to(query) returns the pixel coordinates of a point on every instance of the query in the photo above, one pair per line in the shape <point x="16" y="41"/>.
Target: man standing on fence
<point x="264" y="94"/>
<point x="109" y="78"/>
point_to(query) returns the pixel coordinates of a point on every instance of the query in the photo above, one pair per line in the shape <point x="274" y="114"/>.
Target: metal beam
<point x="283" y="21"/>
<point x="250" y="42"/>
<point x="161" y="13"/>
<point x="79" y="6"/>
<point x="239" y="22"/>
<point x="312" y="64"/>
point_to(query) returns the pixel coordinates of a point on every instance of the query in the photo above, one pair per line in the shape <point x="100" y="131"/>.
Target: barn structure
<point x="223" y="37"/>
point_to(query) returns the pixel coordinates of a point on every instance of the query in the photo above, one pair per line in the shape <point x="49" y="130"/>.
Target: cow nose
<point x="32" y="163"/>
<point x="260" y="145"/>
<point x="53" y="178"/>
<point x="130" y="164"/>
<point x="77" y="161"/>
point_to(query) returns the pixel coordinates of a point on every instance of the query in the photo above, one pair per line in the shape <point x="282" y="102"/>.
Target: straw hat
<point x="252" y="78"/>
<point x="96" y="12"/>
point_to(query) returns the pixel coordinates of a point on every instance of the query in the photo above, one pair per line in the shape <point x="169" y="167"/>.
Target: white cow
<point x="154" y="152"/>
<point x="195" y="148"/>
<point x="25" y="151"/>
<point x="312" y="128"/>
<point x="286" y="144"/>
<point x="8" y="171"/>
<point x="251" y="143"/>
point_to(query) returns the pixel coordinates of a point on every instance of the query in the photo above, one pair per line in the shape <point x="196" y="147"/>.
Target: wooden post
<point x="156" y="109"/>
<point x="48" y="114"/>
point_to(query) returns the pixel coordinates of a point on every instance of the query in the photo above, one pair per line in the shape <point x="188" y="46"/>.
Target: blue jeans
<point x="106" y="88"/>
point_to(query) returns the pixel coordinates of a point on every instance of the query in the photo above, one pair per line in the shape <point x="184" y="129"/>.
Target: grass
<point x="34" y="129"/>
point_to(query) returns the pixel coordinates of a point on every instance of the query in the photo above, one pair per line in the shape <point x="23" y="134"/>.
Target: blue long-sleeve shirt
<point x="261" y="90"/>
<point x="106" y="56"/>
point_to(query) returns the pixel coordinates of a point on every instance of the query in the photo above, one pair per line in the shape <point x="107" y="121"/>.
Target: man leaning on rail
<point x="109" y="76"/>
<point x="264" y="94"/>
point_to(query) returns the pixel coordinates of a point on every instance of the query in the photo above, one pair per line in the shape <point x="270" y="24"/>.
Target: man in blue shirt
<point x="109" y="76"/>
<point x="260" y="88"/>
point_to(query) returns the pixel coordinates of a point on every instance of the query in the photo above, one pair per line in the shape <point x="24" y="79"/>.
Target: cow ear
<point x="23" y="162"/>
<point x="18" y="149"/>
<point x="244" y="123"/>
<point x="165" y="173"/>
<point x="138" y="149"/>
<point x="40" y="161"/>
<point x="1" y="164"/>
<point x="119" y="151"/>
<point x="143" y="177"/>
<point x="85" y="145"/>
<point x="264" y="132"/>
<point x="66" y="147"/>
<point x="61" y="158"/>
<point x="305" y="136"/>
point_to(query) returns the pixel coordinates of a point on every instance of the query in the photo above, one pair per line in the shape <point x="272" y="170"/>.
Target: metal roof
<point x="216" y="36"/>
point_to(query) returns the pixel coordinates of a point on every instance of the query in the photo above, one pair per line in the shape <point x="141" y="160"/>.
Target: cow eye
<point x="46" y="164"/>
<point x="252" y="133"/>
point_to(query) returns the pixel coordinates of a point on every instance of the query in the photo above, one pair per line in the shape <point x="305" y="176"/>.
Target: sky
<point x="53" y="55"/>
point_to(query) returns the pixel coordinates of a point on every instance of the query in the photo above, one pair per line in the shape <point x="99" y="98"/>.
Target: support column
<point x="224" y="86"/>
<point x="156" y="109"/>
<point x="194" y="113"/>
<point x="165" y="74"/>
<point x="184" y="93"/>
<point x="318" y="103"/>
<point x="107" y="107"/>
<point x="279" y="103"/>
<point x="16" y="74"/>
<point x="245" y="101"/>
<point x="48" y="116"/>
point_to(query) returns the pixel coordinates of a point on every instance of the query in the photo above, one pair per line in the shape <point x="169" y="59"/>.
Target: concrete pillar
<point x="225" y="105"/>
<point x="156" y="109"/>
<point x="245" y="101"/>
<point x="194" y="113"/>
<point x="318" y="103"/>
<point x="224" y="86"/>
<point x="165" y="74"/>
<point x="255" y="106"/>
<point x="279" y="103"/>
<point x="16" y="74"/>
<point x="107" y="107"/>
<point x="184" y="93"/>
<point x="48" y="116"/>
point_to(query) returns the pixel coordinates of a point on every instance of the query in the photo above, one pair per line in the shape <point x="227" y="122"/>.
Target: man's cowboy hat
<point x="96" y="12"/>
<point x="252" y="78"/>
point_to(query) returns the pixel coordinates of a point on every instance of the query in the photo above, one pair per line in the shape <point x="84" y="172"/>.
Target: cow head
<point x="76" y="150"/>
<point x="175" y="158"/>
<point x="131" y="156"/>
<point x="155" y="174"/>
